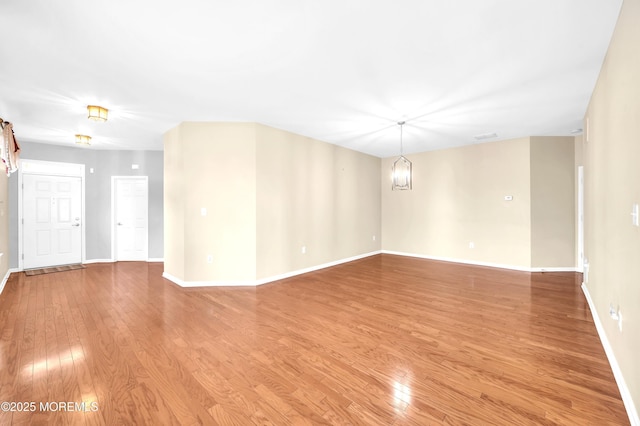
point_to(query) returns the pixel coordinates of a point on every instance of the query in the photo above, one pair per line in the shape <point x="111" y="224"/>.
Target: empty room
<point x="320" y="212"/>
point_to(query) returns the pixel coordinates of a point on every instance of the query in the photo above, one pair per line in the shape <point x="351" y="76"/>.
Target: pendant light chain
<point x="401" y="123"/>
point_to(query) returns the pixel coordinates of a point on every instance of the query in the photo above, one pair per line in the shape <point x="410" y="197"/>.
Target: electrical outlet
<point x="209" y="258"/>
<point x="472" y="245"/>
<point x="374" y="238"/>
<point x="585" y="271"/>
<point x="304" y="249"/>
<point x="613" y="312"/>
<point x="619" y="320"/>
<point x="616" y="315"/>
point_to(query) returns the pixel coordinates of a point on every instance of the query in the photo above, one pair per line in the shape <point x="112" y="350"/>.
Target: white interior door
<point x="52" y="210"/>
<point x="131" y="218"/>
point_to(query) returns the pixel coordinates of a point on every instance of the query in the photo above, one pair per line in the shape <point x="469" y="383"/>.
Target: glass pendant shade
<point x="401" y="174"/>
<point x="401" y="171"/>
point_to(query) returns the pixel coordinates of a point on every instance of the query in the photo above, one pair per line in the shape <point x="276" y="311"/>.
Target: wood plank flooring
<point x="385" y="340"/>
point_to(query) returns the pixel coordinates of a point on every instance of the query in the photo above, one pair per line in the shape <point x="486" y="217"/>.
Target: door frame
<point x="113" y="211"/>
<point x="580" y="220"/>
<point x="49" y="168"/>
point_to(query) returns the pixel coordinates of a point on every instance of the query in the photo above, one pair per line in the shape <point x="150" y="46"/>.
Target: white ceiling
<point x="341" y="71"/>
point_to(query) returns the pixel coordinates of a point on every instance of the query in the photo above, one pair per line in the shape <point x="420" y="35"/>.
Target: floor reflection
<point x="401" y="396"/>
<point x="55" y="361"/>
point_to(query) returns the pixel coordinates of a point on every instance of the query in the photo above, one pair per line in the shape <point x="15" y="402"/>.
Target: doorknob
<point x="119" y="224"/>
<point x="76" y="224"/>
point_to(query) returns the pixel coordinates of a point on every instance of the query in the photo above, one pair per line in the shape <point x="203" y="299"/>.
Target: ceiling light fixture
<point x="83" y="139"/>
<point x="97" y="113"/>
<point x="401" y="170"/>
<point x="485" y="136"/>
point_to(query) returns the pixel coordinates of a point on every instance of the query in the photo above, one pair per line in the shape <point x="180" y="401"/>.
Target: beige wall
<point x="267" y="193"/>
<point x="552" y="202"/>
<point x="578" y="150"/>
<point x="4" y="225"/>
<point x="215" y="168"/>
<point x="219" y="175"/>
<point x="173" y="204"/>
<point x="612" y="186"/>
<point x="458" y="198"/>
<point x="578" y="162"/>
<point x="313" y="194"/>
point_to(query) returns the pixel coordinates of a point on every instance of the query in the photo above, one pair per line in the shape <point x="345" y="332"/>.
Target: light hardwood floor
<point x="385" y="340"/>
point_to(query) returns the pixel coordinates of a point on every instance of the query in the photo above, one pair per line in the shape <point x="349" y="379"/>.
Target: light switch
<point x="508" y="197"/>
<point x="635" y="219"/>
<point x="203" y="211"/>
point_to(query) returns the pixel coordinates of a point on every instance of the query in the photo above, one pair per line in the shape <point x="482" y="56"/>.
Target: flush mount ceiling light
<point x="83" y="140"/>
<point x="401" y="170"/>
<point x="97" y="113"/>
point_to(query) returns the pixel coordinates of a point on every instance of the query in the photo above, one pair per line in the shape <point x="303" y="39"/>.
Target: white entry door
<point x="130" y="218"/>
<point x="51" y="209"/>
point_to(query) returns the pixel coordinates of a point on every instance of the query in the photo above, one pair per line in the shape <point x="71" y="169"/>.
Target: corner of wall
<point x="552" y="201"/>
<point x="173" y="203"/>
<point x="317" y="203"/>
<point x="210" y="204"/>
<point x="612" y="187"/>
<point x="4" y="226"/>
<point x="457" y="207"/>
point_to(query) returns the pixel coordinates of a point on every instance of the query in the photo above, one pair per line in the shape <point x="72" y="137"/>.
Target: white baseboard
<point x="632" y="412"/>
<point x="183" y="283"/>
<point x="266" y="280"/>
<point x="87" y="261"/>
<point x="555" y="269"/>
<point x="488" y="264"/>
<point x="314" y="268"/>
<point x="4" y="280"/>
<point x="6" y="277"/>
<point x="151" y="259"/>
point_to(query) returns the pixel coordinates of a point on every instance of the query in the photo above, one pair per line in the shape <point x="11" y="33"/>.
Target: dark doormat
<point x="52" y="269"/>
